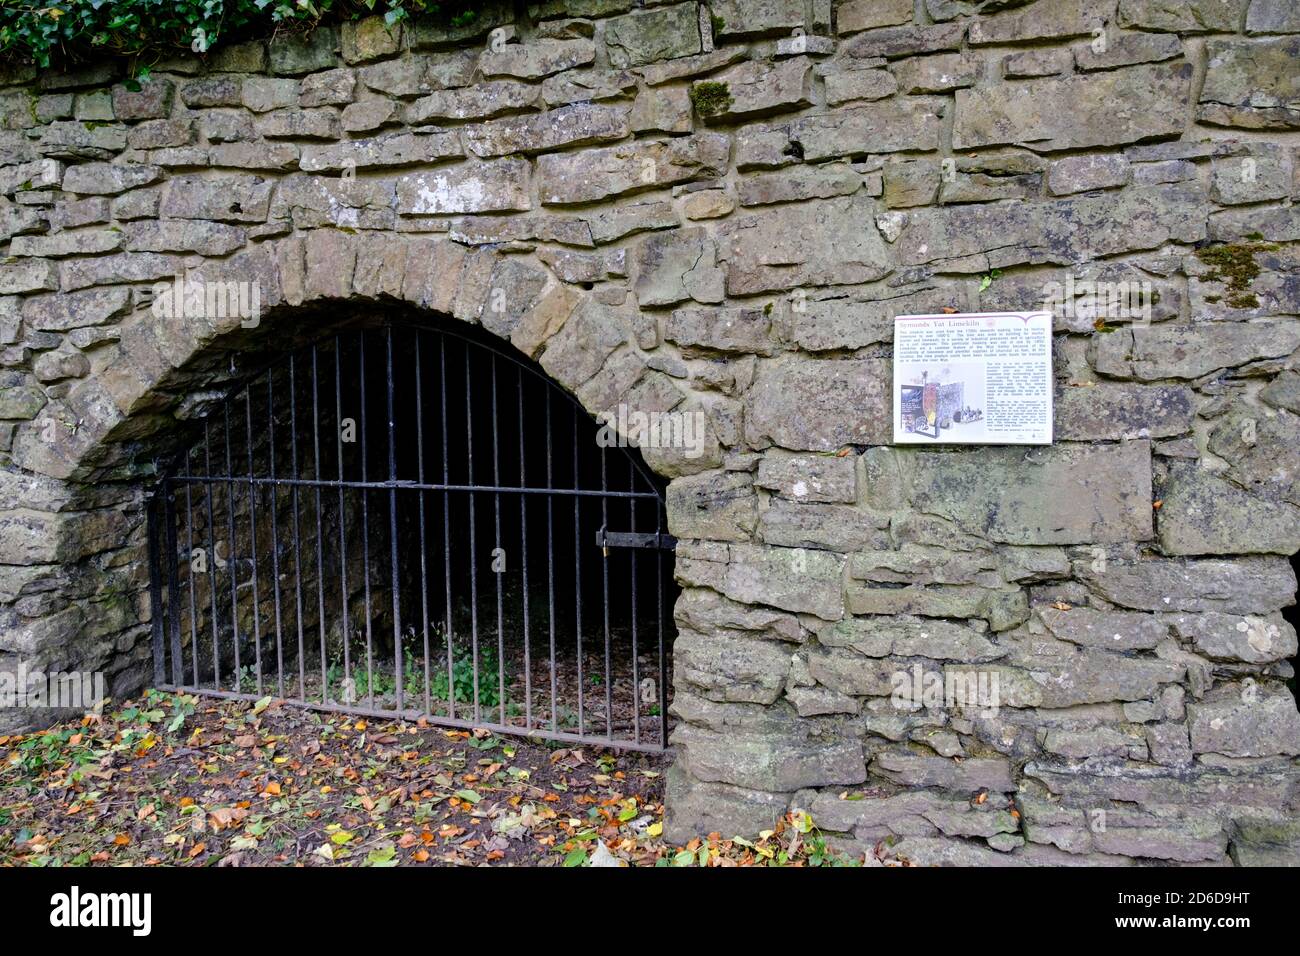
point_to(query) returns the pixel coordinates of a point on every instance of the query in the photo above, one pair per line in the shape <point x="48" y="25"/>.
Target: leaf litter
<point x="179" y="780"/>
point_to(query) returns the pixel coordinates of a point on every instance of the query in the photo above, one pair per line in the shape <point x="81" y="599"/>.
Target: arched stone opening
<point x="403" y="519"/>
<point x="104" y="446"/>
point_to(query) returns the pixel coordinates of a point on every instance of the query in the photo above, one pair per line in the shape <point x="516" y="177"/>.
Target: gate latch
<point x="634" y="539"/>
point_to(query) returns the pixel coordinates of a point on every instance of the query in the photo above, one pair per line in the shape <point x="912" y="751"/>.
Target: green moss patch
<point x="711" y="98"/>
<point x="1234" y="265"/>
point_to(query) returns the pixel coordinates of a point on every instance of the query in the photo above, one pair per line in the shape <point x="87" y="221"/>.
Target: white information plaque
<point x="973" y="379"/>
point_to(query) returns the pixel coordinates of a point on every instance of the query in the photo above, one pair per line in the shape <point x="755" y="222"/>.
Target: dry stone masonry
<point x="719" y="207"/>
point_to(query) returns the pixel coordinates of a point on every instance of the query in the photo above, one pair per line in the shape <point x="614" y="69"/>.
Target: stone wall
<point x="720" y="206"/>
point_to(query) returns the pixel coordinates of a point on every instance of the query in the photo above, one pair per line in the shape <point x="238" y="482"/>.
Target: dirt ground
<point x="180" y="780"/>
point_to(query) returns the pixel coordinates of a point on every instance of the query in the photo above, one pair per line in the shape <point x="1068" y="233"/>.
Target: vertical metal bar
<point x="523" y="536"/>
<point x="297" y="537"/>
<point x="320" y="527"/>
<point x="473" y="551"/>
<point x="577" y="573"/>
<point x="636" y="675"/>
<point x="604" y="586"/>
<point x="211" y="557"/>
<point x="392" y="518"/>
<point x="275" y="533"/>
<point x="496" y="509"/>
<point x="424" y="555"/>
<point x="252" y="541"/>
<point x="365" y="524"/>
<point x="173" y="584"/>
<point x="343" y="539"/>
<point x="230" y="550"/>
<point x="189" y="574"/>
<point x="155" y="586"/>
<point x="550" y="553"/>
<point x="663" y="662"/>
<point x="446" y="521"/>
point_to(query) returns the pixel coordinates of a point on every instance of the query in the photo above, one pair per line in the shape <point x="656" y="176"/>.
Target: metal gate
<point x="405" y="521"/>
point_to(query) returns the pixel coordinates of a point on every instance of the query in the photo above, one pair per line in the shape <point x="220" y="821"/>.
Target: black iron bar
<point x="523" y="567"/>
<point x="173" y="583"/>
<point x="344" y="595"/>
<point x="189" y="574"/>
<point x="446" y="522"/>
<point x="577" y="574"/>
<point x="425" y="486"/>
<point x="320" y="523"/>
<point x="297" y="537"/>
<point x="275" y="534"/>
<point x="604" y="597"/>
<point x="636" y="674"/>
<point x="392" y="520"/>
<point x="252" y="539"/>
<point x="498" y="554"/>
<point x="211" y="560"/>
<point x="550" y="556"/>
<point x="473" y="549"/>
<point x="365" y="521"/>
<point x="230" y="552"/>
<point x="663" y="662"/>
<point x="424" y="552"/>
<point x="155" y="585"/>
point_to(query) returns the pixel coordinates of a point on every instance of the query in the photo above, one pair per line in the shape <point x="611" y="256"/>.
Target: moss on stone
<point x="1234" y="265"/>
<point x="711" y="98"/>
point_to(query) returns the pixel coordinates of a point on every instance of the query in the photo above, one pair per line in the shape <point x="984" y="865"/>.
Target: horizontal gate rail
<point x="412" y="485"/>
<point x="264" y="552"/>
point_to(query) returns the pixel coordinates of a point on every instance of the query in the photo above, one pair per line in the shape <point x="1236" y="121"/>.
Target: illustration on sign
<point x="973" y="378"/>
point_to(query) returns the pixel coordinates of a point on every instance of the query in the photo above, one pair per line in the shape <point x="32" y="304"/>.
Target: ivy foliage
<point x="46" y="32"/>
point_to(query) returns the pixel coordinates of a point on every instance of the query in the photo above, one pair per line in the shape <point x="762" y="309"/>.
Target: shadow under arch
<point x="443" y="536"/>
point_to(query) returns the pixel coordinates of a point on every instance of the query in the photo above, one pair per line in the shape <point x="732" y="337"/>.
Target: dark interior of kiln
<point x="508" y="610"/>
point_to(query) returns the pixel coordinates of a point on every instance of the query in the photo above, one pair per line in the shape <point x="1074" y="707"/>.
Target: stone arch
<point x="588" y="346"/>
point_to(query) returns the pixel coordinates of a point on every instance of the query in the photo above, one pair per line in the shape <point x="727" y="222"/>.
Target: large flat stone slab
<point x="1065" y="494"/>
<point x="1102" y="109"/>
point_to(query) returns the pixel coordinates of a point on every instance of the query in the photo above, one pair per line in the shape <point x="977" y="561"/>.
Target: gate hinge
<point x="635" y="539"/>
